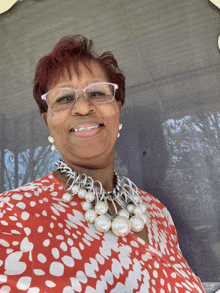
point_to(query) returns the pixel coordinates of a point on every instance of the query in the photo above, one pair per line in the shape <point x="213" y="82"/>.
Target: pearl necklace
<point x="132" y="215"/>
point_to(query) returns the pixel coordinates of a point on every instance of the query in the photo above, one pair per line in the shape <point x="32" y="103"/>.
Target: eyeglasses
<point x="61" y="98"/>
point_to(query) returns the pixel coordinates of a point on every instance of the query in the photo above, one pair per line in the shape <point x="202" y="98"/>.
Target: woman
<point x="83" y="228"/>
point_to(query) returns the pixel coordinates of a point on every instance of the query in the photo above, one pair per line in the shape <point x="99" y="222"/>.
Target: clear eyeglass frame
<point x="44" y="96"/>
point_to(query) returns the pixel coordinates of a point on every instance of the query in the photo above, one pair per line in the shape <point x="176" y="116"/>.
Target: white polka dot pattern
<point x="47" y="246"/>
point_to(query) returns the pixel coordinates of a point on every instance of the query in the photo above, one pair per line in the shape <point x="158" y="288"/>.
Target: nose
<point x="82" y="106"/>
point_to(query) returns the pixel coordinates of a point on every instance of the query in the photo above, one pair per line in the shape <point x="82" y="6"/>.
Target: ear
<point x="44" y="116"/>
<point x="119" y="106"/>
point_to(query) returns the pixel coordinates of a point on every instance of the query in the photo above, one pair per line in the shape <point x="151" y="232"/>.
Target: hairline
<point x="67" y="70"/>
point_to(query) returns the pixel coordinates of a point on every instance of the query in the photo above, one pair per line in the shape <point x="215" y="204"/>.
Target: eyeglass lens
<point x="63" y="98"/>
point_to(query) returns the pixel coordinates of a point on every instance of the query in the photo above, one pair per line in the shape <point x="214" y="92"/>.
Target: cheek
<point x="111" y="113"/>
<point x="56" y="123"/>
<point x="115" y="118"/>
<point x="56" y="116"/>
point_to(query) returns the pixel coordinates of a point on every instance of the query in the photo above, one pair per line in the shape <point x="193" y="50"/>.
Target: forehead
<point x="86" y="73"/>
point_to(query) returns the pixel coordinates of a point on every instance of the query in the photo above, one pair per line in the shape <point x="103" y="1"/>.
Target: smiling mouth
<point x="85" y="129"/>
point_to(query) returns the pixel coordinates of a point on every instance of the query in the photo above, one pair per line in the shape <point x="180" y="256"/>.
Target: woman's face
<point x="94" y="148"/>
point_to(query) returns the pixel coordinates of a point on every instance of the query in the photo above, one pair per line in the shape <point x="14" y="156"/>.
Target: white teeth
<point x="86" y="128"/>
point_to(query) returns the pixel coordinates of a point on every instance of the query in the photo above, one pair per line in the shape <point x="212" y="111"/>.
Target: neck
<point x="104" y="174"/>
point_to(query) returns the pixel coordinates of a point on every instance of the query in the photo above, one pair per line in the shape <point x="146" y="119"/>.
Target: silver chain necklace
<point x="132" y="213"/>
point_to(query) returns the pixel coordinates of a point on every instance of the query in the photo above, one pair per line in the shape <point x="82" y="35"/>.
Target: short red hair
<point x="68" y="52"/>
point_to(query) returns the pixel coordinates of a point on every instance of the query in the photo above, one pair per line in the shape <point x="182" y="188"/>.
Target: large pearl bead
<point x="81" y="193"/>
<point x="136" y="198"/>
<point x="90" y="216"/>
<point x="103" y="223"/>
<point x="137" y="210"/>
<point x="67" y="197"/>
<point x="144" y="217"/>
<point x="121" y="226"/>
<point x="130" y="208"/>
<point x="75" y="189"/>
<point x="86" y="205"/>
<point x="89" y="196"/>
<point x="137" y="224"/>
<point x="144" y="207"/>
<point x="101" y="208"/>
<point x="123" y="213"/>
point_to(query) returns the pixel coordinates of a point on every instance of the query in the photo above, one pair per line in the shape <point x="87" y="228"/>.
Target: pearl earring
<point x="51" y="140"/>
<point x="120" y="127"/>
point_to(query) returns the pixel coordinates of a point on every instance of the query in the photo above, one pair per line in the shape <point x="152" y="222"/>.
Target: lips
<point x="86" y="130"/>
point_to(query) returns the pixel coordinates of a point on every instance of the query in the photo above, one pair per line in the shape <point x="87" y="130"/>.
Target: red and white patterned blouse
<point x="46" y="246"/>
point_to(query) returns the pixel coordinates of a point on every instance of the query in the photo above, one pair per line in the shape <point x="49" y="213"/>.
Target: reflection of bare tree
<point x="27" y="166"/>
<point x="193" y="174"/>
<point x="193" y="144"/>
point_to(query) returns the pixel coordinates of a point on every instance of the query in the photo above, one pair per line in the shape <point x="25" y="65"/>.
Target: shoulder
<point x="27" y="189"/>
<point x="25" y="203"/>
<point x="153" y="202"/>
<point x="150" y="199"/>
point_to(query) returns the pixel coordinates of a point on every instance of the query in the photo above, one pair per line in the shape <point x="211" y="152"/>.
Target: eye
<point x="96" y="94"/>
<point x="99" y="93"/>
<point x="65" y="99"/>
